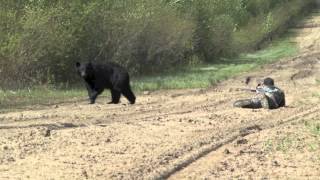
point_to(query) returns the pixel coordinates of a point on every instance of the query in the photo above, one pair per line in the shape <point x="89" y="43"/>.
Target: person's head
<point x="268" y="82"/>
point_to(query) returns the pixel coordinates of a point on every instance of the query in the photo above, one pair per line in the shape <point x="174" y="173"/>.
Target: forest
<point x="40" y="40"/>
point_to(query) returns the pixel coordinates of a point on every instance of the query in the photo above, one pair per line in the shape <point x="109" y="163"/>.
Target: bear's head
<point x="85" y="70"/>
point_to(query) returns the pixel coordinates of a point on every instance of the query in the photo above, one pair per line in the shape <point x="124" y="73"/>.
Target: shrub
<point x="42" y="39"/>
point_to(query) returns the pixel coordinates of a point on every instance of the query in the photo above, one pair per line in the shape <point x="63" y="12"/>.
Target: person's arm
<point x="283" y="102"/>
<point x="259" y="89"/>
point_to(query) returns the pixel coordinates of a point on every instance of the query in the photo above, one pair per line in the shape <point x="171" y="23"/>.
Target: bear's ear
<point x="78" y="64"/>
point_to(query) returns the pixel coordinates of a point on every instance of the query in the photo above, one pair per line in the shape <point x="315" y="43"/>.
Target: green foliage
<point x="314" y="127"/>
<point x="206" y="75"/>
<point x="268" y="18"/>
<point x="40" y="40"/>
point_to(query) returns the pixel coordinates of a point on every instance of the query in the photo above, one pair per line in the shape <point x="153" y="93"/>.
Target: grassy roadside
<point x="206" y="75"/>
<point x="200" y="76"/>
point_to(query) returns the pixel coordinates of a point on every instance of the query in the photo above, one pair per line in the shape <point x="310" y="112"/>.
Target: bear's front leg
<point x="94" y="95"/>
<point x="91" y="93"/>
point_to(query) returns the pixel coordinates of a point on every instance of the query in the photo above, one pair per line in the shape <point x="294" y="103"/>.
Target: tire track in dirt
<point x="143" y="113"/>
<point x="231" y="136"/>
<point x="234" y="134"/>
<point x="303" y="116"/>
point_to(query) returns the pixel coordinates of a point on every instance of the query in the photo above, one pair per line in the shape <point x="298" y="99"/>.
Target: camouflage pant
<point x="248" y="103"/>
<point x="262" y="101"/>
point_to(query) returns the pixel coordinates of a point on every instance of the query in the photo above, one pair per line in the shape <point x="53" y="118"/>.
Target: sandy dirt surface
<point x="176" y="134"/>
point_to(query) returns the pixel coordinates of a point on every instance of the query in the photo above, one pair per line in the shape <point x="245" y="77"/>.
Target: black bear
<point x="97" y="77"/>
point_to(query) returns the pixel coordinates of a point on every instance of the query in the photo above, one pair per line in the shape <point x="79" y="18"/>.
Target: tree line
<point x="40" y="40"/>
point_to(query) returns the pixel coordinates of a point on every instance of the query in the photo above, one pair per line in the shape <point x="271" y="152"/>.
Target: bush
<point x="264" y="24"/>
<point x="42" y="39"/>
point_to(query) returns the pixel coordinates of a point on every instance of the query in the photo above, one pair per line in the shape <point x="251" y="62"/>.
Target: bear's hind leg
<point x="115" y="95"/>
<point x="129" y="95"/>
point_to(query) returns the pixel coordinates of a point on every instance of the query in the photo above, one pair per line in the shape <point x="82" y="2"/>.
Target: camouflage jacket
<point x="275" y="95"/>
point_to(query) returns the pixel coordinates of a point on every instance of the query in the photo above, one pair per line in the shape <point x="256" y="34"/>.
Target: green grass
<point x="297" y="140"/>
<point x="283" y="144"/>
<point x="13" y="100"/>
<point x="313" y="127"/>
<point x="200" y="76"/>
<point x="203" y="76"/>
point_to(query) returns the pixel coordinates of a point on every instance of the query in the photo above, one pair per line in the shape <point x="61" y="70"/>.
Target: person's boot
<point x="242" y="103"/>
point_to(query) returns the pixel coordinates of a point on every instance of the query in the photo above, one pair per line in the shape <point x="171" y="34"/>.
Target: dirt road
<point x="178" y="134"/>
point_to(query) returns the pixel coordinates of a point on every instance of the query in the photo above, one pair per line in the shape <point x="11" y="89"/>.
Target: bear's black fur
<point x="111" y="76"/>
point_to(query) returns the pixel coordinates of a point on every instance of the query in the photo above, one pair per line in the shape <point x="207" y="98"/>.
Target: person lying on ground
<point x="267" y="96"/>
